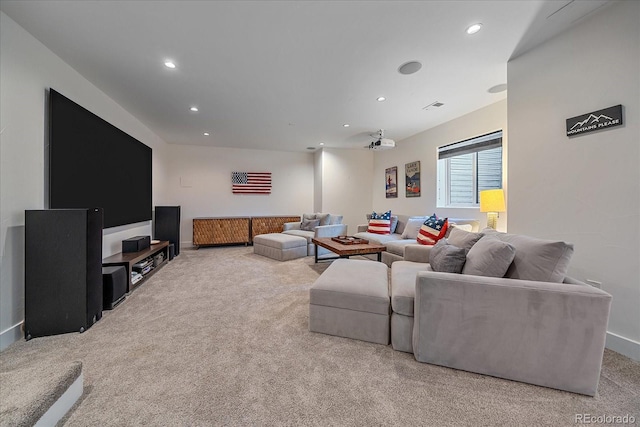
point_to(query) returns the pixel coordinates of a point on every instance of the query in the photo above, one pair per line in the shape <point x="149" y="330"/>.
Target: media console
<point x="129" y="259"/>
<point x="236" y="230"/>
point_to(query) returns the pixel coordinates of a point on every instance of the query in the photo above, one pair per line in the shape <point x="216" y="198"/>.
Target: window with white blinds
<point x="467" y="167"/>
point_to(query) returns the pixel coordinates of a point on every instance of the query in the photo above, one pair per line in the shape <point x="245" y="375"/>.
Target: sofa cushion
<point x="380" y="223"/>
<point x="403" y="285"/>
<point x="309" y="225"/>
<point x="462" y="239"/>
<point x="538" y="259"/>
<point x="357" y="285"/>
<point x="412" y="228"/>
<point x="301" y="233"/>
<point x="381" y="239"/>
<point x="397" y="246"/>
<point x="432" y="230"/>
<point x="447" y="258"/>
<point x="489" y="257"/>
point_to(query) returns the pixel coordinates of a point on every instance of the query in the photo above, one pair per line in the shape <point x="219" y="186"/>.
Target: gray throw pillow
<point x="335" y="219"/>
<point x="447" y="258"/>
<point x="309" y="225"/>
<point x="325" y="218"/>
<point x="463" y="239"/>
<point x="538" y="259"/>
<point x="394" y="223"/>
<point x="308" y="217"/>
<point x="489" y="257"/>
<point x="412" y="228"/>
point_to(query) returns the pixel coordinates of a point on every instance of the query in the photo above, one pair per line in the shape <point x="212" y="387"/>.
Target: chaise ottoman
<point x="351" y="299"/>
<point x="278" y="246"/>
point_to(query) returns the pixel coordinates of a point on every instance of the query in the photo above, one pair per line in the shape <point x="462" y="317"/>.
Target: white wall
<point x="583" y="189"/>
<point x="199" y="180"/>
<point x="317" y="181"/>
<point x="423" y="147"/>
<point x="27" y="70"/>
<point x="346" y="182"/>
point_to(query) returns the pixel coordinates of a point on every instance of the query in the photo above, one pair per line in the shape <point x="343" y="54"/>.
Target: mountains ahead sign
<point x="601" y="119"/>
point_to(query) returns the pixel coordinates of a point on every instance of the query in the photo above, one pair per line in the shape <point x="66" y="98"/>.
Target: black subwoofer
<point x="166" y="225"/>
<point x="114" y="284"/>
<point x="63" y="270"/>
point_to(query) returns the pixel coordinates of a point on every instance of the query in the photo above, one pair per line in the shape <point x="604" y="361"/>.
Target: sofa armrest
<point x="548" y="334"/>
<point x="417" y="253"/>
<point x="362" y="228"/>
<point x="331" y="230"/>
<point x="290" y="226"/>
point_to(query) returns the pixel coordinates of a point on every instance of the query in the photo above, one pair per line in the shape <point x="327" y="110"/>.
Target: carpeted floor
<point x="219" y="336"/>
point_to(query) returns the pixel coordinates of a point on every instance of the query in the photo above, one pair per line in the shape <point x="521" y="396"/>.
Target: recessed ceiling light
<point x="474" y="28"/>
<point x="194" y="109"/>
<point x="346" y="125"/>
<point x="381" y="98"/>
<point x="322" y="143"/>
<point x="206" y="134"/>
<point x="409" y="67"/>
<point x="170" y="64"/>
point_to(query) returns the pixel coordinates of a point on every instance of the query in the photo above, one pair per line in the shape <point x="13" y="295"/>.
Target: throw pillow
<point x="538" y="259"/>
<point x="325" y="218"/>
<point x="489" y="257"/>
<point x="394" y="223"/>
<point x="447" y="258"/>
<point x="432" y="230"/>
<point x="412" y="228"/>
<point x="380" y="223"/>
<point x="308" y="217"/>
<point x="335" y="219"/>
<point x="462" y="239"/>
<point x="309" y="225"/>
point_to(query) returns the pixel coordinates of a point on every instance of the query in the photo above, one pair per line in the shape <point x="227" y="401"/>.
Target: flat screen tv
<point x="94" y="164"/>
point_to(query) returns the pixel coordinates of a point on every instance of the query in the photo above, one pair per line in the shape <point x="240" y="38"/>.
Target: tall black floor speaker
<point x="63" y="271"/>
<point x="167" y="225"/>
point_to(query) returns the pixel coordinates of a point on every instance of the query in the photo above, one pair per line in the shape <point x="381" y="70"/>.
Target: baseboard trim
<point x="625" y="346"/>
<point x="10" y="335"/>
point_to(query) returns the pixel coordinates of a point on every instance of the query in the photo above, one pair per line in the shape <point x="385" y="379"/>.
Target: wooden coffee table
<point x="345" y="251"/>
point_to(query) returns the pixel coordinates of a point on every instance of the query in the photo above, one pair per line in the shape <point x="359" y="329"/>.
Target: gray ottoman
<point x="351" y="299"/>
<point x="281" y="247"/>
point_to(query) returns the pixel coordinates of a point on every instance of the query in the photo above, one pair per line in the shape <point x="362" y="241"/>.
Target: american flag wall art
<point x="251" y="182"/>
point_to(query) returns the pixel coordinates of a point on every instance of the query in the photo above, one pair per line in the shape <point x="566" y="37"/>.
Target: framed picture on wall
<point x="391" y="182"/>
<point x="412" y="179"/>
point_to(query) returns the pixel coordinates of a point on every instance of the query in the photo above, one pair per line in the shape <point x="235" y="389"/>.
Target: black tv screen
<point x="94" y="164"/>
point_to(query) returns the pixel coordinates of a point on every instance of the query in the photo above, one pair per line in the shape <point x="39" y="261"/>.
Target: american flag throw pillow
<point x="432" y="230"/>
<point x="380" y="223"/>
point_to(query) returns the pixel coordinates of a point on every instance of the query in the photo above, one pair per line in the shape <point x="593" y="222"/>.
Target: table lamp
<point x="492" y="202"/>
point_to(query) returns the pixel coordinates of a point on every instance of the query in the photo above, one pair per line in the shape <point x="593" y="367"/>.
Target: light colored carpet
<point x="220" y="336"/>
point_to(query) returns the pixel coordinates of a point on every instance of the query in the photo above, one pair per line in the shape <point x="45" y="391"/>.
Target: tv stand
<point x="128" y="259"/>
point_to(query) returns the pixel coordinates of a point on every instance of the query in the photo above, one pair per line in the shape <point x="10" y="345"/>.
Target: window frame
<point x="443" y="194"/>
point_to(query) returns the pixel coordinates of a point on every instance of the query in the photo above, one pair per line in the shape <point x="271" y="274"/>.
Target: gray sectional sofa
<point x="533" y="323"/>
<point x="405" y="229"/>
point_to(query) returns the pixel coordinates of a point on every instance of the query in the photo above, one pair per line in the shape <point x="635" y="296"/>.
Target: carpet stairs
<point x="32" y="397"/>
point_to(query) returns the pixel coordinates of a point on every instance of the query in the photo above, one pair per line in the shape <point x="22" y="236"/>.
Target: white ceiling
<point x="285" y="75"/>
